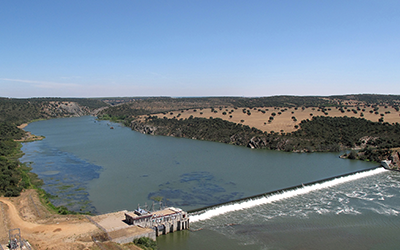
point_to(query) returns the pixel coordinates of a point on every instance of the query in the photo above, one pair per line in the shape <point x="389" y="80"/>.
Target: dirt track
<point x="47" y="231"/>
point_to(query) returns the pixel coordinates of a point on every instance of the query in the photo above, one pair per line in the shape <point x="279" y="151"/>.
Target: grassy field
<point x="285" y="119"/>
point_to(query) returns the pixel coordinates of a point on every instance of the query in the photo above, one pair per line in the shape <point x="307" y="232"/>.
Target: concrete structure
<point x="131" y="233"/>
<point x="163" y="221"/>
<point x="386" y="164"/>
<point x="123" y="226"/>
<point x="117" y="230"/>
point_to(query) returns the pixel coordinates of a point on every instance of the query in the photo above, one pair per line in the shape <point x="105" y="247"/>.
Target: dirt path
<point x="54" y="232"/>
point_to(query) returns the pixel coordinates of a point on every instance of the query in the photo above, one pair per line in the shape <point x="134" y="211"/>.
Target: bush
<point x="145" y="243"/>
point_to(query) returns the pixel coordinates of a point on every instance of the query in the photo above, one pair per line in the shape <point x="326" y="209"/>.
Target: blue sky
<point x="97" y="48"/>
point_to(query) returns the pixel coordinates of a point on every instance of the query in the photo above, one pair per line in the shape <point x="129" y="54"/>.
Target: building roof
<point x="159" y="213"/>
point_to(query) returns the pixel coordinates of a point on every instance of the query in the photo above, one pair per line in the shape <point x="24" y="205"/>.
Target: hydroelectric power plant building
<point x="123" y="226"/>
<point x="163" y="221"/>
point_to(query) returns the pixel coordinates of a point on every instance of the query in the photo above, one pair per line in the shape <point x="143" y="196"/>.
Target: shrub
<point x="145" y="243"/>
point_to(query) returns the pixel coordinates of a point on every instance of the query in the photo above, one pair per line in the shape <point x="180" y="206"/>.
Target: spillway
<point x="209" y="212"/>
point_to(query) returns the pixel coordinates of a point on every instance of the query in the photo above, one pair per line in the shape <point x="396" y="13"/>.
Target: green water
<point x="91" y="167"/>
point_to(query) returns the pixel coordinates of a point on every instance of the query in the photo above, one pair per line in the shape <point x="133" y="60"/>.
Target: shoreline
<point x="23" y="125"/>
<point x="29" y="137"/>
<point x="43" y="228"/>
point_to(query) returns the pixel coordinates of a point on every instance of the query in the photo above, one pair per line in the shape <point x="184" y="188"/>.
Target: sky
<point x="104" y="48"/>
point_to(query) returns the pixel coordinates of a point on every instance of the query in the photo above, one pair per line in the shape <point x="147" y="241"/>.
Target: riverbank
<point x="29" y="137"/>
<point x="43" y="228"/>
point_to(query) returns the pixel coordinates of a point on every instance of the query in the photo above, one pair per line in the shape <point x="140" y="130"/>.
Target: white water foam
<point x="281" y="196"/>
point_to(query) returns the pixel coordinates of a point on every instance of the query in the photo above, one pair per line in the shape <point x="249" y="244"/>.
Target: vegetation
<point x="18" y="111"/>
<point x="212" y="129"/>
<point x="369" y="99"/>
<point x="146" y="243"/>
<point x="11" y="183"/>
<point x="370" y="154"/>
<point x="121" y="112"/>
<point x="161" y="104"/>
<point x="318" y="134"/>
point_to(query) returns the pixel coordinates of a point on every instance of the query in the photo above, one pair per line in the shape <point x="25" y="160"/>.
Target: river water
<point x="90" y="167"/>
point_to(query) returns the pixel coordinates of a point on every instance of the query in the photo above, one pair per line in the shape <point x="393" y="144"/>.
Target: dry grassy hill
<point x="285" y="119"/>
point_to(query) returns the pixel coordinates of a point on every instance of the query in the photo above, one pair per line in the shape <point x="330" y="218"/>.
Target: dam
<point x="125" y="226"/>
<point x="281" y="194"/>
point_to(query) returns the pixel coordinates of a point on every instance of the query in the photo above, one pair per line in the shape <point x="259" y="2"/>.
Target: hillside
<point x="20" y="111"/>
<point x="290" y="123"/>
<point x="13" y="112"/>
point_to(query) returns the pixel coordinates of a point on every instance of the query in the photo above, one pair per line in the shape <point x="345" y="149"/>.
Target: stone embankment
<point x="393" y="162"/>
<point x="65" y="109"/>
<point x="143" y="128"/>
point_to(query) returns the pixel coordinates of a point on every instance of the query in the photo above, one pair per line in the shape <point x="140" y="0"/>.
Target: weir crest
<point x="209" y="212"/>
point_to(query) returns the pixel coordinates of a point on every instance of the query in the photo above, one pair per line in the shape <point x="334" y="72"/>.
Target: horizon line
<point x="206" y="96"/>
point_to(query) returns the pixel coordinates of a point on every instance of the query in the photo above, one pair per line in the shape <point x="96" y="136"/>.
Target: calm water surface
<point x="91" y="167"/>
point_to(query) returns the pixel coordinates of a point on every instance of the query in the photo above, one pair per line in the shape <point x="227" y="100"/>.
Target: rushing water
<point x="358" y="213"/>
<point x="91" y="167"/>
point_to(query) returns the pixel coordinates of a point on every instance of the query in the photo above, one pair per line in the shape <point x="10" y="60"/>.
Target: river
<point x="91" y="167"/>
